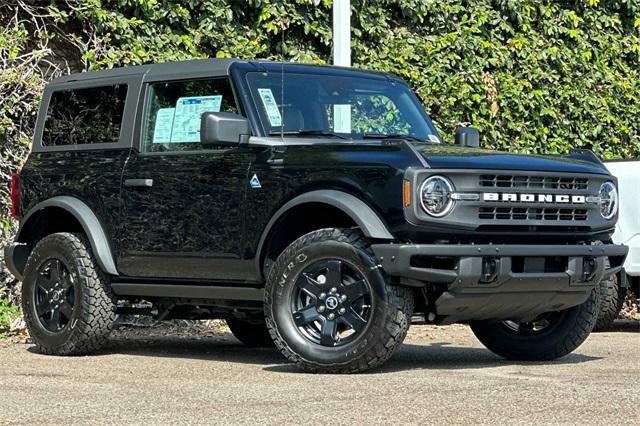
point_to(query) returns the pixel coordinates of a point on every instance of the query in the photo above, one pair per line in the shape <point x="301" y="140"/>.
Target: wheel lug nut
<point x="321" y="309"/>
<point x="331" y="316"/>
<point x="333" y="289"/>
<point x="343" y="297"/>
<point x="342" y="311"/>
<point x="322" y="296"/>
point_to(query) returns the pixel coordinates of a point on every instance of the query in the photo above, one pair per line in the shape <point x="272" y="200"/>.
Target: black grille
<point x="537" y="182"/>
<point x="524" y="213"/>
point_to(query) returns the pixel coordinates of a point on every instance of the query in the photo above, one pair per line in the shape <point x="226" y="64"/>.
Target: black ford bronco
<point x="311" y="207"/>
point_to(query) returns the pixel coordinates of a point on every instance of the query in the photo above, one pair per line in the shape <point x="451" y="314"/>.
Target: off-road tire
<point x="611" y="300"/>
<point x="557" y="340"/>
<point x="94" y="309"/>
<point x="388" y="323"/>
<point x="252" y="333"/>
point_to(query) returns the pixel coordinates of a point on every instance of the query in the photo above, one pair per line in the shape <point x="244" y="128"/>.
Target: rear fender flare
<point x="89" y="222"/>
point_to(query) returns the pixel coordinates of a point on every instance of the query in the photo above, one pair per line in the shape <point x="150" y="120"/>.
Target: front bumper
<point x="517" y="282"/>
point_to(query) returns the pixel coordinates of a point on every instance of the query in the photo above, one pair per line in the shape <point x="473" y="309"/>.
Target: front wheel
<point x="550" y="336"/>
<point x="329" y="307"/>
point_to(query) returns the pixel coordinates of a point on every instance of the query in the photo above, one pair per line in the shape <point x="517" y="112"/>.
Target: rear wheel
<point x="67" y="302"/>
<point x="329" y="307"/>
<point x="251" y="333"/>
<point x="550" y="336"/>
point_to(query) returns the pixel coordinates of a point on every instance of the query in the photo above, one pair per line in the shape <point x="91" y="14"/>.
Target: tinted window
<point x="172" y="118"/>
<point x="354" y="107"/>
<point x="85" y="116"/>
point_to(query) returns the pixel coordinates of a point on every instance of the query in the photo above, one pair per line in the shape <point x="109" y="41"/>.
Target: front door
<point x="182" y="203"/>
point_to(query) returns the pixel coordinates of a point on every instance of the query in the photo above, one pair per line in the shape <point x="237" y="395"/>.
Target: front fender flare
<point x="89" y="222"/>
<point x="363" y="215"/>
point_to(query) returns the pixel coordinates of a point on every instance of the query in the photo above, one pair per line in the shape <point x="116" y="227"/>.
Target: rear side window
<point x="85" y="116"/>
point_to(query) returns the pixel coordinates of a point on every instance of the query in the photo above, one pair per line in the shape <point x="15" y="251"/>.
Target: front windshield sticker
<point x="342" y="118"/>
<point x="164" y="124"/>
<point x="270" y="105"/>
<point x="433" y="138"/>
<point x="186" y="119"/>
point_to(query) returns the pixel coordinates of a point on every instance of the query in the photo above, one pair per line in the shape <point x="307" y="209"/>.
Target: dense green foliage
<point x="8" y="313"/>
<point x="533" y="75"/>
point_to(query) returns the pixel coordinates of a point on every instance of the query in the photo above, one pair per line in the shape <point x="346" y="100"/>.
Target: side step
<point x="188" y="291"/>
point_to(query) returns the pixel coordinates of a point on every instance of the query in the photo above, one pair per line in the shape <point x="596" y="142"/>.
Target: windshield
<point x="318" y="105"/>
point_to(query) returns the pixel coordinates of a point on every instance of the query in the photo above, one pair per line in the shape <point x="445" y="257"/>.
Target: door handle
<point x="138" y="183"/>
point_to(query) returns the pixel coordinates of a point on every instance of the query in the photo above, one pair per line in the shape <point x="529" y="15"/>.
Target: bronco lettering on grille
<point x="534" y="198"/>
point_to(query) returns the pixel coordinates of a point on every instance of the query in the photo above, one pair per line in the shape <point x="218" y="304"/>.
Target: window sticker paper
<point x="270" y="105"/>
<point x="342" y="118"/>
<point x="186" y="118"/>
<point x="163" y="126"/>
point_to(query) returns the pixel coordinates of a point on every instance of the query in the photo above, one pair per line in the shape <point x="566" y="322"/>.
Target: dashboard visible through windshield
<point x="309" y="105"/>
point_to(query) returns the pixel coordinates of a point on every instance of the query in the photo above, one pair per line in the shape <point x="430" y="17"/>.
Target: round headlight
<point x="608" y="200"/>
<point x="435" y="196"/>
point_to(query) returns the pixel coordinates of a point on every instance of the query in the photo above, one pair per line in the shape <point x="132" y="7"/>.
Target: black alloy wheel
<point x="549" y="336"/>
<point x="54" y="295"/>
<point x="539" y="325"/>
<point x="331" y="304"/>
<point x="67" y="302"/>
<point x="330" y="308"/>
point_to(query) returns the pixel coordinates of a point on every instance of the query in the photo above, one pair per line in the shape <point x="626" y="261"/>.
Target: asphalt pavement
<point x="440" y="375"/>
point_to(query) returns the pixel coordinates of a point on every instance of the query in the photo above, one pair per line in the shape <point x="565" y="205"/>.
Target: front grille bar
<point x="524" y="213"/>
<point x="533" y="182"/>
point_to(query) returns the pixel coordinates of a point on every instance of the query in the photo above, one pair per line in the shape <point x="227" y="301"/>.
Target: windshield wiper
<point x="306" y="133"/>
<point x="392" y="136"/>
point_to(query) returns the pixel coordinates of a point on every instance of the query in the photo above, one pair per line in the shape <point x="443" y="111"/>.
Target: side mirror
<point x="223" y="128"/>
<point x="468" y="136"/>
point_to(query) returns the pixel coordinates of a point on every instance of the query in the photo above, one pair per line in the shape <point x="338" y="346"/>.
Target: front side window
<point x="349" y="107"/>
<point x="174" y="109"/>
<point x="85" y="116"/>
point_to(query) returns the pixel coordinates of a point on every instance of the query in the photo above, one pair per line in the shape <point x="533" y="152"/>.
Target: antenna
<point x="282" y="81"/>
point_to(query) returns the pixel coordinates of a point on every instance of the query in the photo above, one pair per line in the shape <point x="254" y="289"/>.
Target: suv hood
<point x="457" y="157"/>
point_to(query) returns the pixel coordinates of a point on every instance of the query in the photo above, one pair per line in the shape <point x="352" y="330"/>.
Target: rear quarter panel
<point x="92" y="176"/>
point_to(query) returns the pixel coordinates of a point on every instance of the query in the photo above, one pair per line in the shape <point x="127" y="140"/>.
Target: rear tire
<point x="330" y="308"/>
<point x="68" y="305"/>
<point x="611" y="301"/>
<point x="252" y="333"/>
<point x="566" y="330"/>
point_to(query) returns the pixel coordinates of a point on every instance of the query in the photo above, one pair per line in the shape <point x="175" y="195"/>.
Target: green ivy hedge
<point x="533" y="75"/>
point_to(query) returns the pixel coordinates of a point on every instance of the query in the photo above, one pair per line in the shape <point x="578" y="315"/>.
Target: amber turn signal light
<point x="407" y="193"/>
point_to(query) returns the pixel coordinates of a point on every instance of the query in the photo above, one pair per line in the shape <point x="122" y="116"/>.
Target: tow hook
<point x="489" y="269"/>
<point x="588" y="268"/>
